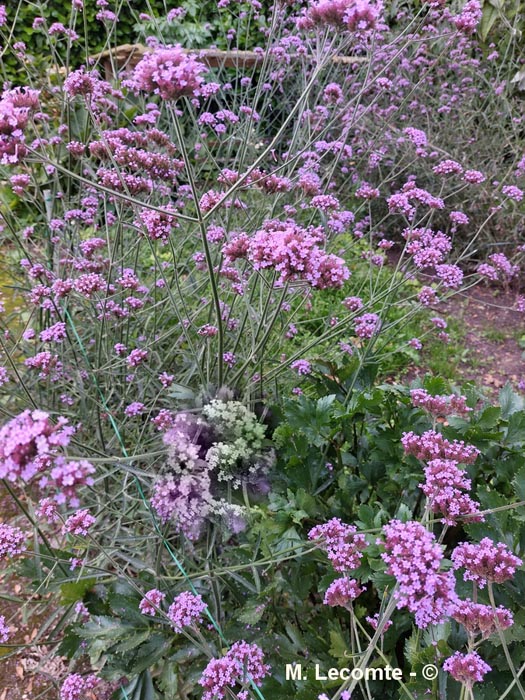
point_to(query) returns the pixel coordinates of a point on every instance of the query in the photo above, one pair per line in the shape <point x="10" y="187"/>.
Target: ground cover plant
<point x="212" y="275"/>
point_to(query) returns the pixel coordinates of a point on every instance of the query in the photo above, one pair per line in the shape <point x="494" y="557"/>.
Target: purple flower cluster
<point x="439" y="405"/>
<point x="292" y="251"/>
<point x="342" y="592"/>
<point x="184" y="494"/>
<point x="151" y="602"/>
<point x="480" y="619"/>
<point x="499" y="268"/>
<point x="467" y="668"/>
<point x="186" y="611"/>
<point x="406" y="200"/>
<point x="47" y="510"/>
<point x="79" y="523"/>
<point x="444" y="486"/>
<point x="352" y="303"/>
<point x="16" y="106"/>
<point x="432" y="445"/>
<point x="11" y="541"/>
<point x="29" y="443"/>
<point x="428" y="296"/>
<point x="184" y="498"/>
<point x="75" y="686"/>
<point x="302" y="367"/>
<point x="414" y="558"/>
<point x="428" y="247"/>
<point x="242" y="664"/>
<point x="367" y="325"/>
<point x="485" y="562"/>
<point x="341" y="542"/>
<point x="5" y="632"/>
<point x="352" y="15"/>
<point x="469" y="17"/>
<point x="170" y="72"/>
<point x="157" y="226"/>
<point x="66" y="477"/>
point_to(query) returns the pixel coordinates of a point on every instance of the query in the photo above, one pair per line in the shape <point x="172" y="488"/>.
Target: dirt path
<point x="493" y="336"/>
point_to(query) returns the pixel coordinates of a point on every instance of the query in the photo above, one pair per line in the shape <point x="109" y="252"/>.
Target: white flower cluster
<point x="241" y="440"/>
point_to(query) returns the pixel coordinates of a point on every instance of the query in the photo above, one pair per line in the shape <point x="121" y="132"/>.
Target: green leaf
<point x="169" y="682"/>
<point x="489" y="16"/>
<point x="252" y="612"/>
<point x="132" y="641"/>
<point x="141" y="688"/>
<point x="510" y="401"/>
<point x="104" y="627"/>
<point x="75" y="590"/>
<point x="127" y="608"/>
<point x="519" y="485"/>
<point x="338" y="645"/>
<point x="489" y="418"/>
<point x="516" y="429"/>
<point x="435" y="385"/>
<point x="150" y="652"/>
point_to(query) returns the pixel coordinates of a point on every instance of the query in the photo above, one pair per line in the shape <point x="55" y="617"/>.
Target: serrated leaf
<point x="251" y="613"/>
<point x="338" y="645"/>
<point x="169" y="682"/>
<point x="127" y="608"/>
<point x="519" y="485"/>
<point x="510" y="401"/>
<point x="489" y="418"/>
<point x="435" y="385"/>
<point x="132" y="641"/>
<point x="150" y="652"/>
<point x="104" y="627"/>
<point x="516" y="429"/>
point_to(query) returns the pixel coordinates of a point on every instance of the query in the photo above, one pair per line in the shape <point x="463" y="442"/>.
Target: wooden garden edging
<point x="126" y="57"/>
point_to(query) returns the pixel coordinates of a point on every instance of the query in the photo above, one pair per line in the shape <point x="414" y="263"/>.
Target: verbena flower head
<point x="353" y="15"/>
<point x="292" y="251"/>
<point x="47" y="510"/>
<point x="11" y="541"/>
<point x="4" y="630"/>
<point x="467" y="668"/>
<point x="15" y="108"/>
<point x="29" y="444"/>
<point x="242" y="664"/>
<point x="342" y="592"/>
<point x="414" y="557"/>
<point x="367" y="325"/>
<point x="75" y="686"/>
<point x="432" y="445"/>
<point x="439" y="405"/>
<point x="341" y="542"/>
<point x="151" y="602"/>
<point x="485" y="562"/>
<point x="480" y="619"/>
<point x="66" y="477"/>
<point x="302" y="367"/>
<point x="79" y="523"/>
<point x="444" y="486"/>
<point x="469" y="17"/>
<point x="170" y="72"/>
<point x="186" y="610"/>
<point x="373" y="621"/>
